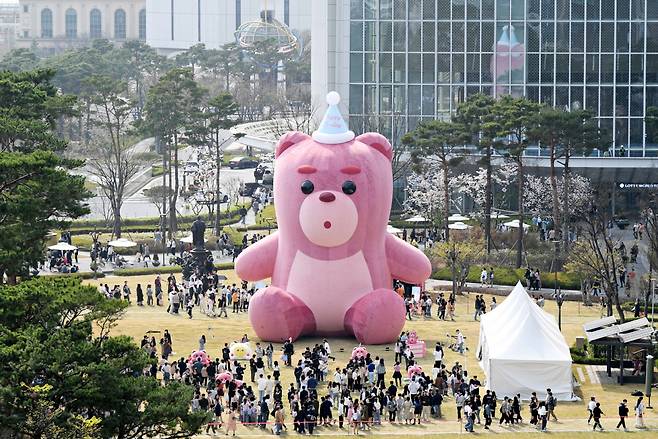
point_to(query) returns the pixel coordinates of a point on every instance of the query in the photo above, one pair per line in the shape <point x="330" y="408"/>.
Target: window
<point x="71" y="23"/>
<point x="26" y="9"/>
<point x="120" y="24"/>
<point x="46" y="23"/>
<point x="95" y="24"/>
<point x="142" y="24"/>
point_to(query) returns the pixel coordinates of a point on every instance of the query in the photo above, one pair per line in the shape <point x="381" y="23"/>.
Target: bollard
<point x="648" y="381"/>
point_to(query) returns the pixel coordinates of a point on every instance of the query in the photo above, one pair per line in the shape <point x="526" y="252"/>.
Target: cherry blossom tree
<point x="425" y="195"/>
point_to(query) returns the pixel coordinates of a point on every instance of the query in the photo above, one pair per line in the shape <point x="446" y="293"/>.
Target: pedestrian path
<point x="498" y="290"/>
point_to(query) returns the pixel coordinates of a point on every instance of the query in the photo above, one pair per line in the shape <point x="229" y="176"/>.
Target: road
<point x="137" y="205"/>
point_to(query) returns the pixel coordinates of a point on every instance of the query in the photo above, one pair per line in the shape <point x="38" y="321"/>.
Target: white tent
<point x="521" y="350"/>
<point x="458" y="217"/>
<point x="458" y="226"/>
<point x="515" y="224"/>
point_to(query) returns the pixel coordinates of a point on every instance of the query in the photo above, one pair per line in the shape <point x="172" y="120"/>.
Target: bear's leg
<point x="277" y="315"/>
<point x="376" y="318"/>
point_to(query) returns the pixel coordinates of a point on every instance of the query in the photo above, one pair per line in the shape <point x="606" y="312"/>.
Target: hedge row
<point x="510" y="276"/>
<point x="81" y="275"/>
<point x="162" y="270"/>
<point x="153" y="222"/>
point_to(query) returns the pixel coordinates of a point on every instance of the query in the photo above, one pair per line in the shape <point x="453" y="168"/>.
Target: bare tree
<point x="596" y="256"/>
<point x="112" y="161"/>
<point x="233" y="187"/>
<point x="157" y="195"/>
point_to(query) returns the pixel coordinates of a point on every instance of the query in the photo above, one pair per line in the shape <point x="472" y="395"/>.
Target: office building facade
<point x="176" y="25"/>
<point x="410" y="60"/>
<point x="56" y="25"/>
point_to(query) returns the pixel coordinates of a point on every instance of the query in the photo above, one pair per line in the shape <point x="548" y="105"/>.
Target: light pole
<point x="559" y="299"/>
<point x="269" y="222"/>
<point x="452" y="255"/>
<point x="163" y="220"/>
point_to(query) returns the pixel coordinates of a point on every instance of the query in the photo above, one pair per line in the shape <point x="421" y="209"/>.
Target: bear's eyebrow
<point x="350" y="170"/>
<point x="306" y="169"/>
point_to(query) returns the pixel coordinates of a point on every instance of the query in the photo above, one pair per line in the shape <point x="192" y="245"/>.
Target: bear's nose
<point x="327" y="197"/>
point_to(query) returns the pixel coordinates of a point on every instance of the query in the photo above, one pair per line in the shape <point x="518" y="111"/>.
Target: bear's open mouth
<point x="327" y="224"/>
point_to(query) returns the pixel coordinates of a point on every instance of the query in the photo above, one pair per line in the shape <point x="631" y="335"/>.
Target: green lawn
<point x="138" y="320"/>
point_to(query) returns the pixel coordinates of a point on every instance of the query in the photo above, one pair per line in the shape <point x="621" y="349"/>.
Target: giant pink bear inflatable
<point x="331" y="261"/>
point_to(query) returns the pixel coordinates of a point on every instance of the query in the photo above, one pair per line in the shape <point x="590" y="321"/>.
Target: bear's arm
<point x="256" y="262"/>
<point x="406" y="262"/>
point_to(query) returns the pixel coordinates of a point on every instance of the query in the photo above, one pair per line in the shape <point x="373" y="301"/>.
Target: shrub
<point x="166" y="269"/>
<point x="590" y="354"/>
<point x="148" y="224"/>
<point x="81" y="275"/>
<point x="510" y="276"/>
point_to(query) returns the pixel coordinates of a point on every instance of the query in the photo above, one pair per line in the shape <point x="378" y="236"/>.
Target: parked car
<point x="242" y="163"/>
<point x="622" y="222"/>
<point x="191" y="167"/>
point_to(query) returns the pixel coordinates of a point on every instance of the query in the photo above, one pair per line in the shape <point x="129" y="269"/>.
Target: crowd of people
<point x="366" y="392"/>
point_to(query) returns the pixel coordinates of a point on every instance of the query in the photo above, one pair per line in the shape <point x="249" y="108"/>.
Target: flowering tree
<point x="539" y="201"/>
<point x="425" y="195"/>
<point x="475" y="185"/>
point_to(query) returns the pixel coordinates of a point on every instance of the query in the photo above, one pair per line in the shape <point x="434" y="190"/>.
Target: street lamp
<point x="452" y="255"/>
<point x="163" y="220"/>
<point x="269" y="221"/>
<point x="557" y="290"/>
<point x="559" y="299"/>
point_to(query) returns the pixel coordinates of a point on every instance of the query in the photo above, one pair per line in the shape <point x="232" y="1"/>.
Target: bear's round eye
<point x="349" y="187"/>
<point x="307" y="187"/>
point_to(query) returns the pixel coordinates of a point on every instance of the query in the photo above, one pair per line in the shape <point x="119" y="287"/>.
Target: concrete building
<point x="176" y="25"/>
<point x="404" y="61"/>
<point x="55" y="24"/>
<point x="9" y="20"/>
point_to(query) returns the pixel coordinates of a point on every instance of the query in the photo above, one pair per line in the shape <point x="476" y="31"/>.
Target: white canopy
<point x="458" y="226"/>
<point x="122" y="243"/>
<point x="416" y="219"/>
<point x="393" y="230"/>
<point x="498" y="215"/>
<point x="515" y="224"/>
<point x="458" y="217"/>
<point x="521" y="350"/>
<point x="63" y="246"/>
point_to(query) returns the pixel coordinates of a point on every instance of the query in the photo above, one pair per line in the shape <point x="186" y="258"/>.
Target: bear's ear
<point x="379" y="142"/>
<point x="289" y="139"/>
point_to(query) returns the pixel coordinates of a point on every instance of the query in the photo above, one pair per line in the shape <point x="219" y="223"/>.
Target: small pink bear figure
<point x="359" y="352"/>
<point x="332" y="263"/>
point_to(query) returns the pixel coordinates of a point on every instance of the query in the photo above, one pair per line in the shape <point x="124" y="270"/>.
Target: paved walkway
<point x="498" y="290"/>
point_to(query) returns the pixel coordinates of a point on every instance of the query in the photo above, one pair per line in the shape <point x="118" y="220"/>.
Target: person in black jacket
<point x="623" y="414"/>
<point x="597" y="413"/>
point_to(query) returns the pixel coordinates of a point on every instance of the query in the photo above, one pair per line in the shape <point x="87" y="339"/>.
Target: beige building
<point x="54" y="24"/>
<point x="9" y="19"/>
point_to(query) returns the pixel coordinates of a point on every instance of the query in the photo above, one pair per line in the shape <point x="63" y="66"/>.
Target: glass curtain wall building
<point x="411" y="60"/>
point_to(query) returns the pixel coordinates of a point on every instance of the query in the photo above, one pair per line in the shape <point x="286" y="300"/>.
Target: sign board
<point x="637" y="186"/>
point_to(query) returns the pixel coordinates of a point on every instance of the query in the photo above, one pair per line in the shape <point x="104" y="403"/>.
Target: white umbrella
<point x="122" y="243"/>
<point x="458" y="217"/>
<point x="63" y="246"/>
<point x="497" y="215"/>
<point x="416" y="219"/>
<point x="190" y="239"/>
<point x="459" y="226"/>
<point x="393" y="230"/>
<point x="515" y="224"/>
